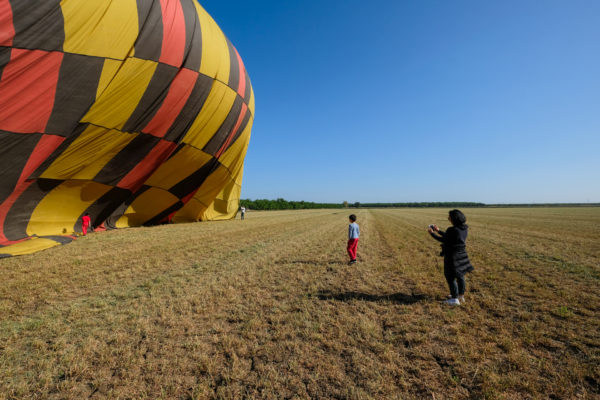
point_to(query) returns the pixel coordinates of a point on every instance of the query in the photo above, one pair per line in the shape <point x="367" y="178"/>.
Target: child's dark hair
<point x="457" y="217"/>
<point x="352" y="217"/>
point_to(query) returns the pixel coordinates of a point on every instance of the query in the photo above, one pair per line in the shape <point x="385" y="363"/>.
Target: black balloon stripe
<point x="193" y="43"/>
<point x="75" y="92"/>
<point x="18" y="148"/>
<point x="195" y="180"/>
<point x="149" y="41"/>
<point x="38" y="24"/>
<point x="121" y="164"/>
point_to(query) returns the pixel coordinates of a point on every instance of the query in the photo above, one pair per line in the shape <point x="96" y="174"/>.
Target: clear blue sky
<point x="422" y="100"/>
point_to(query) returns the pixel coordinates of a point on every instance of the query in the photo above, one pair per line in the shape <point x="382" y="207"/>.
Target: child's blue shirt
<point x="353" y="231"/>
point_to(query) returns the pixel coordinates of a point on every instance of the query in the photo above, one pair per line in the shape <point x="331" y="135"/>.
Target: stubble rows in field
<point x="268" y="308"/>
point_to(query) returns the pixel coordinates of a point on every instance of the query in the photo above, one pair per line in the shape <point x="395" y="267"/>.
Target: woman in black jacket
<point x="456" y="260"/>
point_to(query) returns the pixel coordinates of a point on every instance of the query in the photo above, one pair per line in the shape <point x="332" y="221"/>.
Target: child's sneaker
<point x="352" y="262"/>
<point x="461" y="299"/>
<point x="452" y="302"/>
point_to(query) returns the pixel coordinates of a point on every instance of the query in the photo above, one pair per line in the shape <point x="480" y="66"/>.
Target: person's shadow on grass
<point x="400" y="298"/>
<point x="316" y="263"/>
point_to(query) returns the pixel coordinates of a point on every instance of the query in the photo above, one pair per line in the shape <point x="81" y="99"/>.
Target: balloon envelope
<point x="137" y="112"/>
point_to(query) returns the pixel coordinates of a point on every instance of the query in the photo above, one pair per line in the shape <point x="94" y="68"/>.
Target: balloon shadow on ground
<point x="400" y="298"/>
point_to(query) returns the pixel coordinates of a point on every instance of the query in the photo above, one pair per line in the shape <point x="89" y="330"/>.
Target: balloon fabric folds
<point x="137" y="112"/>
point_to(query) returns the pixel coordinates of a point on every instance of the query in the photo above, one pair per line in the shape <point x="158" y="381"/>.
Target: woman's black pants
<point x="456" y="283"/>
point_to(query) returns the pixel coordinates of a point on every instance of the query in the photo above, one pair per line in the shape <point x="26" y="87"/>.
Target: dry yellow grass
<point x="268" y="308"/>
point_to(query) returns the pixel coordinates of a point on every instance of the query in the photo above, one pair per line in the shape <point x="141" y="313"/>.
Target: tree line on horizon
<point x="282" y="204"/>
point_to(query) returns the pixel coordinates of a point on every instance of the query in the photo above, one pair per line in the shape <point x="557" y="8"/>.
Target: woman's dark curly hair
<point x="457" y="217"/>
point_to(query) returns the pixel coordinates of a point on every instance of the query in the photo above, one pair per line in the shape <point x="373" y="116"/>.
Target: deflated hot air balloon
<point x="137" y="112"/>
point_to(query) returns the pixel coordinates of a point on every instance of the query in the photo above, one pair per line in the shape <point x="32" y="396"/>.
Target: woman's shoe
<point x="452" y="302"/>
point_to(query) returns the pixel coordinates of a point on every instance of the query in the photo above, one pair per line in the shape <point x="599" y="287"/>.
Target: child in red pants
<point x="353" y="234"/>
<point x="85" y="223"/>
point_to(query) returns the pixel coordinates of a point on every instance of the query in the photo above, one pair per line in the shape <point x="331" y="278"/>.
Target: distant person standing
<point x="353" y="234"/>
<point x="86" y="221"/>
<point x="243" y="211"/>
<point x="456" y="260"/>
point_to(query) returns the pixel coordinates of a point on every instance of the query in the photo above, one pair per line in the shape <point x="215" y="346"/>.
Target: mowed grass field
<point x="268" y="308"/>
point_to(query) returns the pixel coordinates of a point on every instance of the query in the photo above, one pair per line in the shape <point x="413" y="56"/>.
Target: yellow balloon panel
<point x="215" y="58"/>
<point x="225" y="205"/>
<point x="233" y="158"/>
<point x="121" y="97"/>
<point x="30" y="246"/>
<point x="181" y="165"/>
<point x="109" y="70"/>
<point x="88" y="154"/>
<point x="101" y="28"/>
